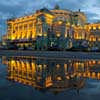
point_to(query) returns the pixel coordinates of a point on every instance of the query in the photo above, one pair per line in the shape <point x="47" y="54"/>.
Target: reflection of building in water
<point x="57" y="75"/>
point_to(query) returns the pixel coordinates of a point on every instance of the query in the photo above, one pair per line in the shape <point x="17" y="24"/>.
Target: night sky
<point x="16" y="8"/>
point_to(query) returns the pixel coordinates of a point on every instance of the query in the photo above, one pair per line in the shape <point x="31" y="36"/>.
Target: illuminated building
<point x="59" y="25"/>
<point x="54" y="75"/>
<point x="93" y="35"/>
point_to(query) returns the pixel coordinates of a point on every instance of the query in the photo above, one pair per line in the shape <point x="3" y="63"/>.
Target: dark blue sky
<point x="9" y="8"/>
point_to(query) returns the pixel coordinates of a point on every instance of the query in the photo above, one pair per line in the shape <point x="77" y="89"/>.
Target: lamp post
<point x="73" y="20"/>
<point x="1" y="30"/>
<point x="71" y="23"/>
<point x="70" y="33"/>
<point x="0" y="33"/>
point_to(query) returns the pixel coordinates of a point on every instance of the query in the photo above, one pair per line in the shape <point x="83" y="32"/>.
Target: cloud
<point x="92" y="9"/>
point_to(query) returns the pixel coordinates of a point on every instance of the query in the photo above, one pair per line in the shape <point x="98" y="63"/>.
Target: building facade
<point x="93" y="34"/>
<point x="47" y="28"/>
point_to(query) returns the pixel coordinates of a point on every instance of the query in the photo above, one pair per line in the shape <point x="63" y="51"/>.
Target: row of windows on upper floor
<point x="63" y="13"/>
<point x="25" y="26"/>
<point x="94" y="28"/>
<point x="26" y="17"/>
<point x="22" y="18"/>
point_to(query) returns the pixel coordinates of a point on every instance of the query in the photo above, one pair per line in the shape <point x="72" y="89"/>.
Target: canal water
<point x="31" y="78"/>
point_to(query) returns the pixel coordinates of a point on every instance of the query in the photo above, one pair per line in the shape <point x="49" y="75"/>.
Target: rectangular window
<point x="20" y="27"/>
<point x="30" y="25"/>
<point x="25" y="26"/>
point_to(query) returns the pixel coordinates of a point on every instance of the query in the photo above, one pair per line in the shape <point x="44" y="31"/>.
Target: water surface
<point x="30" y="78"/>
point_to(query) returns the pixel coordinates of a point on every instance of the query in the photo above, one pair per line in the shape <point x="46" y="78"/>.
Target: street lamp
<point x="1" y="29"/>
<point x="73" y="21"/>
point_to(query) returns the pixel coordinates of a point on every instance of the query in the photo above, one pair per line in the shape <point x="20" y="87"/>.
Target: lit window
<point x="20" y="27"/>
<point x="59" y="78"/>
<point x="60" y="22"/>
<point x="94" y="28"/>
<point x="31" y="25"/>
<point x="58" y="35"/>
<point x="99" y="39"/>
<point x="16" y="28"/>
<point x="89" y="27"/>
<point x="45" y="34"/>
<point x="25" y="26"/>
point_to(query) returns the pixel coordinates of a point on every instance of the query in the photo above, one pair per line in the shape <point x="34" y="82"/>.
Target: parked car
<point x="3" y="48"/>
<point x="30" y="48"/>
<point x="54" y="48"/>
<point x="20" y="48"/>
<point x="78" y="48"/>
<point x="94" y="49"/>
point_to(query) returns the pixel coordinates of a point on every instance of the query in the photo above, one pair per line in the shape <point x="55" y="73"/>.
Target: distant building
<point x="93" y="34"/>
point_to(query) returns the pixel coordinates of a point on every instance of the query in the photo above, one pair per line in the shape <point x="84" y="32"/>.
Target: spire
<point x="56" y="7"/>
<point x="79" y="10"/>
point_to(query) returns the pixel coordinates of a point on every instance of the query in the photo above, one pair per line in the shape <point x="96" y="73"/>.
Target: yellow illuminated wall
<point x="93" y="31"/>
<point x="26" y="27"/>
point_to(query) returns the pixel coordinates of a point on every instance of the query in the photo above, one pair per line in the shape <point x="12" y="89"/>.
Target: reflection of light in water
<point x="44" y="73"/>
